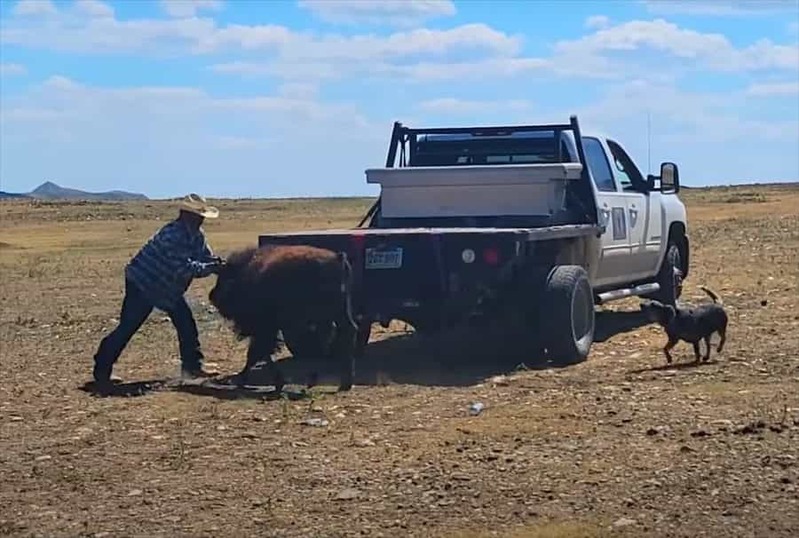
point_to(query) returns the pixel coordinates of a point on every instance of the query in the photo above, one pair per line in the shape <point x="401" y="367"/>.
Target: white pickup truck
<point x="529" y="225"/>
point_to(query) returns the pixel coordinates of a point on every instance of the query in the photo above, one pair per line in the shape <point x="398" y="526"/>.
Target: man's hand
<point x="218" y="263"/>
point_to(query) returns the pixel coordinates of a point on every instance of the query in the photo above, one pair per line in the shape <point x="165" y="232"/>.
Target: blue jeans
<point x="135" y="310"/>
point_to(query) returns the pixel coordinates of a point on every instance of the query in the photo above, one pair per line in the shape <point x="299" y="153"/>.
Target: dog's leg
<point x="697" y="354"/>
<point x="723" y="334"/>
<point x="667" y="349"/>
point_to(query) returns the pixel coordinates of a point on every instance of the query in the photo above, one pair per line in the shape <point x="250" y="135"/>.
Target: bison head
<point x="229" y="294"/>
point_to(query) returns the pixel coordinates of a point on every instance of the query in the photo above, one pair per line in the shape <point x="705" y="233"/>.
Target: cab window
<point x="629" y="176"/>
<point x="598" y="164"/>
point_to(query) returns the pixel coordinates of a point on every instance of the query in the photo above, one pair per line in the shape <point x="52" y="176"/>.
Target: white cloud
<point x="189" y="8"/>
<point x="34" y="8"/>
<point x="388" y="12"/>
<point x="184" y="137"/>
<point x="76" y="31"/>
<point x="718" y="8"/>
<point x="713" y="51"/>
<point x="455" y="106"/>
<point x="611" y="52"/>
<point x="240" y="142"/>
<point x="407" y="72"/>
<point x="597" y="21"/>
<point x="774" y="89"/>
<point x="704" y="116"/>
<point x="12" y="69"/>
<point x="94" y="8"/>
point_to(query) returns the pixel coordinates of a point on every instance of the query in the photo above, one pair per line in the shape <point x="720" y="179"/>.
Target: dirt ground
<point x="620" y="445"/>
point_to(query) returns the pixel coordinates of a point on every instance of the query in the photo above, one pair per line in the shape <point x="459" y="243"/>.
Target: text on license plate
<point x="383" y="259"/>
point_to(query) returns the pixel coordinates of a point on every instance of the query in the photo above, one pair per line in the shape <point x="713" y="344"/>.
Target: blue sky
<point x="296" y="98"/>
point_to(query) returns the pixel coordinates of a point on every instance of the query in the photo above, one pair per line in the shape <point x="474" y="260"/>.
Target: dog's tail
<point x="713" y="295"/>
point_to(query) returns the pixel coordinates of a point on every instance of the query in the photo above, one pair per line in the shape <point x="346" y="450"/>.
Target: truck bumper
<point x="427" y="278"/>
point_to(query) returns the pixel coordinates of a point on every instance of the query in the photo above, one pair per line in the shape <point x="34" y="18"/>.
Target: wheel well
<point x="678" y="235"/>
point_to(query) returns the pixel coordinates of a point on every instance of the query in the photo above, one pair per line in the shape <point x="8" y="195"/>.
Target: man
<point x="157" y="277"/>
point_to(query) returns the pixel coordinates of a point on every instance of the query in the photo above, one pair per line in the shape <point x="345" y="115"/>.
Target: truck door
<point x="613" y="264"/>
<point x="644" y="213"/>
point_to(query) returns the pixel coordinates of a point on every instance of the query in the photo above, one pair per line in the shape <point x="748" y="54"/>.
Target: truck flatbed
<point x="527" y="234"/>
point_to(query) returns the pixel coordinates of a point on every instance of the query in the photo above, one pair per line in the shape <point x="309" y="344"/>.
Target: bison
<point x="291" y="289"/>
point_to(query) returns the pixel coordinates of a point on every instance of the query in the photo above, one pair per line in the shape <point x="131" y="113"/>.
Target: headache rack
<point x="487" y="146"/>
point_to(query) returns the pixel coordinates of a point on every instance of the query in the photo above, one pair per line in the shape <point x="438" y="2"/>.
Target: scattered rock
<point x="752" y="427"/>
<point x="135" y="493"/>
<point x="623" y="522"/>
<point x="700" y="433"/>
<point x="476" y="408"/>
<point x="348" y="494"/>
<point x="43" y="458"/>
<point x="315" y="422"/>
<point x="652" y="431"/>
<point x="500" y="380"/>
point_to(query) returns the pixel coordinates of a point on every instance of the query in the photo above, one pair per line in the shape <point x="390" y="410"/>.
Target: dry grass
<point x="615" y="446"/>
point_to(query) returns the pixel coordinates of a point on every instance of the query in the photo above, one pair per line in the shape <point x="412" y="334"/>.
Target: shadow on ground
<point x="456" y="359"/>
<point x="611" y="323"/>
<point x="125" y="390"/>
<point x="675" y="366"/>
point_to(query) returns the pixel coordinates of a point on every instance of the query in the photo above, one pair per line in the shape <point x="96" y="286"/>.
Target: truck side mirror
<point x="669" y="178"/>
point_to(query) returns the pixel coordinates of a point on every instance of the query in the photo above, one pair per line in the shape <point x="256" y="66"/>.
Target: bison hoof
<point x="280" y="382"/>
<point x="313" y="380"/>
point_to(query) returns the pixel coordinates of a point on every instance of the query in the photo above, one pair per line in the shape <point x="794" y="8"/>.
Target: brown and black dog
<point x="690" y="324"/>
<point x="263" y="290"/>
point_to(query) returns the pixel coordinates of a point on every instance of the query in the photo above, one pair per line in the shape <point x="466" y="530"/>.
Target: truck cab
<point x="641" y="219"/>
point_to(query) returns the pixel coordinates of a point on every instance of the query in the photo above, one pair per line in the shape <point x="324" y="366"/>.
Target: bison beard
<point x="263" y="290"/>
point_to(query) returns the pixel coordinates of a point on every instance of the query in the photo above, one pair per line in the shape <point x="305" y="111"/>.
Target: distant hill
<point x="51" y="191"/>
<point x="15" y="195"/>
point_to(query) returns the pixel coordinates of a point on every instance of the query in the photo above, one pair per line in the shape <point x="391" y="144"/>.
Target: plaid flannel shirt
<point x="165" y="266"/>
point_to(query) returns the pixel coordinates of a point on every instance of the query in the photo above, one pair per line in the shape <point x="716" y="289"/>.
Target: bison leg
<point x="261" y="347"/>
<point x="343" y="349"/>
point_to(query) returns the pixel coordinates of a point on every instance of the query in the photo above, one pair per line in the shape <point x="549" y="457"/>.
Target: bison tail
<point x="346" y="287"/>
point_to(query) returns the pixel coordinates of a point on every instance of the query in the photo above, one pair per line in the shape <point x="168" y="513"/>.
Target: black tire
<point x="670" y="276"/>
<point x="568" y="314"/>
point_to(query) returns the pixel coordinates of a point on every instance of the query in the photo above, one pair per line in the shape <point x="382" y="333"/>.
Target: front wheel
<point x="670" y="276"/>
<point x="567" y="311"/>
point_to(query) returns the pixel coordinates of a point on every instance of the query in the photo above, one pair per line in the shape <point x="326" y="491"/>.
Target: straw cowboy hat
<point x="195" y="203"/>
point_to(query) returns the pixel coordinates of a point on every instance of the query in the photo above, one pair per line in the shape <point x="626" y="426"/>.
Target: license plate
<point x="383" y="259"/>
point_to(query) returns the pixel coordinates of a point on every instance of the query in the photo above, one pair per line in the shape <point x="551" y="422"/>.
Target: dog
<point x="690" y="324"/>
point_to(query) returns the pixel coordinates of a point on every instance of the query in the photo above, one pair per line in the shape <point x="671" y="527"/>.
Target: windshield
<point x="470" y="149"/>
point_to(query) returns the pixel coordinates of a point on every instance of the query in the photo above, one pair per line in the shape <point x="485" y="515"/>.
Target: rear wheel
<point x="567" y="313"/>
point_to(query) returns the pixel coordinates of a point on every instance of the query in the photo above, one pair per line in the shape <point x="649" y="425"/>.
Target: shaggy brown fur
<point x="263" y="290"/>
